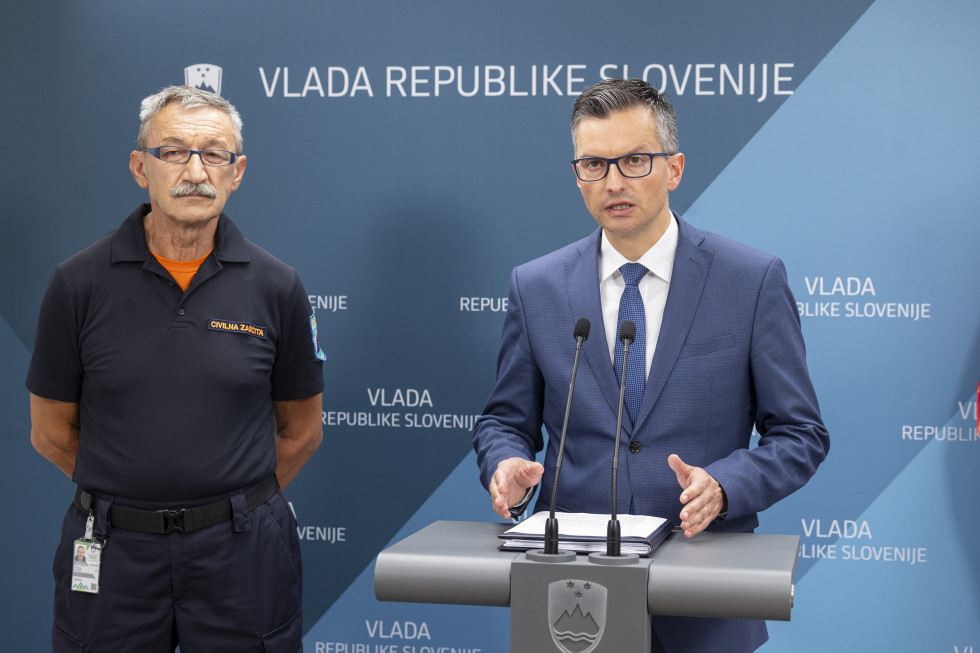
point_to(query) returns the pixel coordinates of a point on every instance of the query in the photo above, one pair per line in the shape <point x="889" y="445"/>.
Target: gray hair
<point x="610" y="95"/>
<point x="189" y="98"/>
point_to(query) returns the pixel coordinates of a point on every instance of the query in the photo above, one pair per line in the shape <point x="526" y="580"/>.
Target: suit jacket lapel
<point x="582" y="278"/>
<point x="691" y="264"/>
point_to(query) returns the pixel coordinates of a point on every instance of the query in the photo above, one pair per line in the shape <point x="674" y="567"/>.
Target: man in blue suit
<point x="718" y="339"/>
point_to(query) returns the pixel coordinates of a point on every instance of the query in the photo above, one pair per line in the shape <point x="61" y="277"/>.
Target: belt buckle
<point x="172" y="516"/>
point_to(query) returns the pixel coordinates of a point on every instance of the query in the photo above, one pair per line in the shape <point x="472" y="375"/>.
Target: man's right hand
<point x="511" y="481"/>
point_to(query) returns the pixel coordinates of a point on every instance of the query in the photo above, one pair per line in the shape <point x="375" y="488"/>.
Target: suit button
<point x="635" y="447"/>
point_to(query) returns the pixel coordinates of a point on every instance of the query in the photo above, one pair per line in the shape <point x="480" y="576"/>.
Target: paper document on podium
<point x="586" y="533"/>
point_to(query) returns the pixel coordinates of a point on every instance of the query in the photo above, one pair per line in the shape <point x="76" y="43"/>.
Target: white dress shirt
<point x="659" y="261"/>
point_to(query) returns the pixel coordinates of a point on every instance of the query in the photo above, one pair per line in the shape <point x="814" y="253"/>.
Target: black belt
<point x="182" y="520"/>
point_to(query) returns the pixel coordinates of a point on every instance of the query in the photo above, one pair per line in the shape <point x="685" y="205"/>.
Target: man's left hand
<point x="702" y="496"/>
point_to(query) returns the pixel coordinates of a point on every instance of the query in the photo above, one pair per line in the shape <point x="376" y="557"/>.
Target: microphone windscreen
<point x="627" y="331"/>
<point x="582" y="328"/>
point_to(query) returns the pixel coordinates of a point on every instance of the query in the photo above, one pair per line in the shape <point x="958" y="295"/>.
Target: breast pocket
<point x="708" y="346"/>
<point x="707" y="386"/>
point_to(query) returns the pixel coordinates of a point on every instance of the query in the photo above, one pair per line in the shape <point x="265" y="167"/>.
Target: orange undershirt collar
<point x="182" y="271"/>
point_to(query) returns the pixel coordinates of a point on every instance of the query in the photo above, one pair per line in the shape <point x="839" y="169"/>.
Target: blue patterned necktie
<point x="631" y="308"/>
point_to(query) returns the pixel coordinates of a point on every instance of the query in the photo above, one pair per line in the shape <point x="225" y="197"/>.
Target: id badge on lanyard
<point x="86" y="560"/>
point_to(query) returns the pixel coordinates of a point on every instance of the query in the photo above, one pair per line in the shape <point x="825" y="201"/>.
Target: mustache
<point x="203" y="189"/>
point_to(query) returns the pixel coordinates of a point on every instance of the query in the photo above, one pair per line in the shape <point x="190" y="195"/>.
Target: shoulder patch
<point x="316" y="346"/>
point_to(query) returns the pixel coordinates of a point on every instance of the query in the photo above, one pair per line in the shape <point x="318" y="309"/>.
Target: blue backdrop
<point x="405" y="156"/>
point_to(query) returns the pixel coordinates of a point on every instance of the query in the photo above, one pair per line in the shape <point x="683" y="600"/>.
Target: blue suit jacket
<point x="730" y="356"/>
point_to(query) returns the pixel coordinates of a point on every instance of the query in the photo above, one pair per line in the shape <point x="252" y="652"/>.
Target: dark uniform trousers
<point x="234" y="587"/>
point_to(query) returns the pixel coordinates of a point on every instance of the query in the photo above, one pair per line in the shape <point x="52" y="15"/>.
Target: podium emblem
<point x="576" y="614"/>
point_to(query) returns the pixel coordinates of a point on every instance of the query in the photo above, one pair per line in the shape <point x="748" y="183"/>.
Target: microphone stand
<point x="613" y="532"/>
<point x="550" y="553"/>
<point x="551" y="526"/>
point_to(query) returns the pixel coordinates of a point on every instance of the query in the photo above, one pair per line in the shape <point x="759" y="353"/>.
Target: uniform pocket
<point x="287" y="638"/>
<point x="62" y="643"/>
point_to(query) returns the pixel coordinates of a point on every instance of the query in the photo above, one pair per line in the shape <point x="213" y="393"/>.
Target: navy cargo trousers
<point x="233" y="587"/>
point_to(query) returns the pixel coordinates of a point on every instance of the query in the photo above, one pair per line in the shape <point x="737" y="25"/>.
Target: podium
<point x="578" y="605"/>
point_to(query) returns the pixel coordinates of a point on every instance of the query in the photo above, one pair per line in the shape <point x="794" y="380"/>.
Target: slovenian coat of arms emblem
<point x="576" y="614"/>
<point x="204" y="76"/>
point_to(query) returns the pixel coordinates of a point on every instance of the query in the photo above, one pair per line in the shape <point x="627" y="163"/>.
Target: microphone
<point x="627" y="335"/>
<point x="581" y="334"/>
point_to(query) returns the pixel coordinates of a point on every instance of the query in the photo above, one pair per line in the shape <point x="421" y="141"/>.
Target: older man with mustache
<point x="177" y="379"/>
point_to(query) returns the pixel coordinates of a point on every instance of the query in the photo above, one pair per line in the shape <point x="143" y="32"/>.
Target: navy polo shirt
<point x="175" y="388"/>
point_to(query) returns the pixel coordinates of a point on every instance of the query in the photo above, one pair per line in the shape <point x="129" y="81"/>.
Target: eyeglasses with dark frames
<point x="177" y="154"/>
<point x="637" y="164"/>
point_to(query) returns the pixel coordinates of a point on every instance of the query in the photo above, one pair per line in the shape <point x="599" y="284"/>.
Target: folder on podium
<point x="586" y="533"/>
<point x="596" y="607"/>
